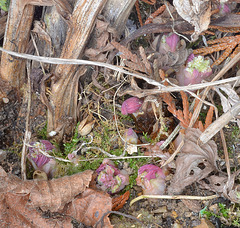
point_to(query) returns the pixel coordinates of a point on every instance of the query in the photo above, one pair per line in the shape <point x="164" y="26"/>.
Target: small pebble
<point x="5" y="100"/>
<point x="188" y="214"/>
<point x="162" y="209"/>
<point x="214" y="208"/>
<point x="176" y="225"/>
<point x="3" y="155"/>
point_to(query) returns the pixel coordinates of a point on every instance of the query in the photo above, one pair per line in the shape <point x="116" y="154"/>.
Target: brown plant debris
<point x="132" y="60"/>
<point x="184" y="116"/>
<point x="25" y="201"/>
<point x="118" y="202"/>
<point x="197" y="13"/>
<point x="150" y="2"/>
<point x="98" y="49"/>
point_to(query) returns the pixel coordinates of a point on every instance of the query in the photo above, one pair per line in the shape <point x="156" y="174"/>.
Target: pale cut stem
<point x="173" y="197"/>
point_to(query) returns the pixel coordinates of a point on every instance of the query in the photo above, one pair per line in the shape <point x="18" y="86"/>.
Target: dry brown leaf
<point x="228" y="97"/>
<point x="48" y="195"/>
<point x="130" y="59"/>
<point x="22" y="200"/>
<point x="197" y="13"/>
<point x="99" y="44"/>
<point x="222" y="185"/>
<point x="194" y="162"/>
<point x="119" y="201"/>
<point x="89" y="208"/>
<point x="15" y="213"/>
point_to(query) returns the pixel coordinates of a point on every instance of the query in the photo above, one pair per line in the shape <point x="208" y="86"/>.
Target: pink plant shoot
<point x="169" y="42"/>
<point x="160" y="143"/>
<point x="131" y="105"/>
<point x="152" y="180"/>
<point x="38" y="160"/>
<point x="110" y="178"/>
<point x="224" y="9"/>
<point x="130" y="136"/>
<point x="195" y="71"/>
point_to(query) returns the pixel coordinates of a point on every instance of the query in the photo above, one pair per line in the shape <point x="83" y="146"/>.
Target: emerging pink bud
<point x="169" y="43"/>
<point x="110" y="178"/>
<point x="152" y="180"/>
<point x="131" y="105"/>
<point x="39" y="160"/>
<point x="71" y="156"/>
<point x="224" y="9"/>
<point x="160" y="143"/>
<point x="195" y="71"/>
<point x="130" y="136"/>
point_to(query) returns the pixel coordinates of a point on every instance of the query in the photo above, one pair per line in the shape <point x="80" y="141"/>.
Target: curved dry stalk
<point x="83" y="62"/>
<point x="161" y="88"/>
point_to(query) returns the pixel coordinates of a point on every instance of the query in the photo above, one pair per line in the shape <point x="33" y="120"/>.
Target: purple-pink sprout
<point x="152" y="180"/>
<point x="169" y="43"/>
<point x="196" y="69"/>
<point x="160" y="143"/>
<point x="131" y="105"/>
<point x="38" y="160"/>
<point x="224" y="9"/>
<point x="110" y="178"/>
<point x="130" y="136"/>
<point x="71" y="156"/>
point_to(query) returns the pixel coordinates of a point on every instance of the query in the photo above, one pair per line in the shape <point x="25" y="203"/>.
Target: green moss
<point x="4" y="4"/>
<point x="235" y="132"/>
<point x="69" y="147"/>
<point x="42" y="132"/>
<point x="135" y="164"/>
<point x="229" y="215"/>
<point x="82" y="166"/>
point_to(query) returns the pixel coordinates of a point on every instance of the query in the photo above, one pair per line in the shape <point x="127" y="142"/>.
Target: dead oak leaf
<point x="196" y="12"/>
<point x="89" y="208"/>
<point x="20" y="201"/>
<point x="194" y="163"/>
<point x="14" y="212"/>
